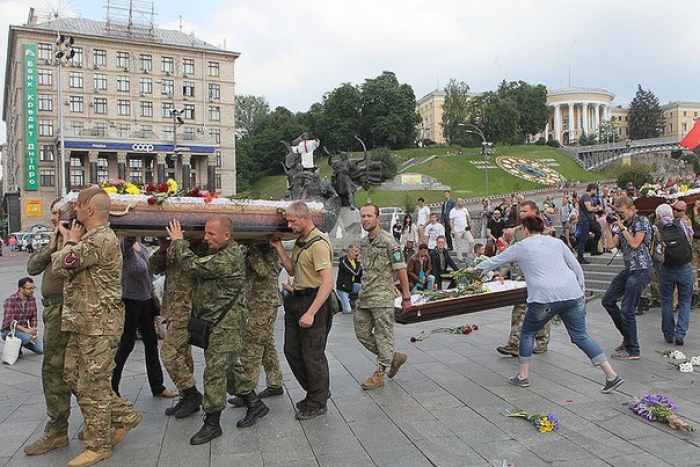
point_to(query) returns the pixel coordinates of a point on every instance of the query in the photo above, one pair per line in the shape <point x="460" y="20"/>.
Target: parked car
<point x="23" y="239"/>
<point x="40" y="239"/>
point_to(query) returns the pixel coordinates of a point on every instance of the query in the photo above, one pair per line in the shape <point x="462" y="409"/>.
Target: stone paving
<point x="442" y="409"/>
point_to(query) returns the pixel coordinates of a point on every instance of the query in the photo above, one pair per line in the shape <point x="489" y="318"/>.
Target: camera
<point x="612" y="217"/>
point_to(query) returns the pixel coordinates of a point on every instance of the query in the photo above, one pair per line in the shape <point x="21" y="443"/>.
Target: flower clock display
<point x="466" y="329"/>
<point x="530" y="170"/>
<point x="657" y="408"/>
<point x="543" y="423"/>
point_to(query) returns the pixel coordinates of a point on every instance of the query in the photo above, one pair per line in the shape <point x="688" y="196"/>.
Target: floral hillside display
<point x="658" y="408"/>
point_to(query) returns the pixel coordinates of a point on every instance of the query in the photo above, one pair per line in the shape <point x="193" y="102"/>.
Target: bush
<point x="637" y="173"/>
<point x="541" y="141"/>
<point x="694" y="160"/>
<point x="384" y="155"/>
<point x="409" y="204"/>
<point x="554" y="143"/>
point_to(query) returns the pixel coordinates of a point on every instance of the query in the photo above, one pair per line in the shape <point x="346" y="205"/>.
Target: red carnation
<point x="412" y="339"/>
<point x="475" y="327"/>
<point x="163" y="188"/>
<point x="467" y="330"/>
<point x="150" y="188"/>
<point x="152" y="200"/>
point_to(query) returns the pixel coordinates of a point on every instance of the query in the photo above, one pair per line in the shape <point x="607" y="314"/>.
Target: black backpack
<point x="674" y="243"/>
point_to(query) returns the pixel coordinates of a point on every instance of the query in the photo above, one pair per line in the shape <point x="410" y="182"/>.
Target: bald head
<point x="92" y="207"/>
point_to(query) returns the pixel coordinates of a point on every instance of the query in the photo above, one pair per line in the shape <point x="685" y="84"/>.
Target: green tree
<point x="496" y="116"/>
<point x="455" y="111"/>
<point x="636" y="173"/>
<point x="531" y="104"/>
<point x="645" y="117"/>
<point x="340" y="118"/>
<point x="251" y="111"/>
<point x="608" y="131"/>
<point x="386" y="157"/>
<point x="266" y="148"/>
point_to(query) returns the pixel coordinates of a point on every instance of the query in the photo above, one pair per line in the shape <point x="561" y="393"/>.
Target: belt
<point x="50" y="301"/>
<point x="304" y="292"/>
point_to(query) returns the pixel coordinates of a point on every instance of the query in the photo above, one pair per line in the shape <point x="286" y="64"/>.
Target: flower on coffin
<point x="543" y="423"/>
<point x="119" y="186"/>
<point x="658" y="408"/>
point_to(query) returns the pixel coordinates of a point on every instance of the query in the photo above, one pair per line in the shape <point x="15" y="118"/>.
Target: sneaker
<point x="399" y="359"/>
<point x="624" y="355"/>
<point x="45" y="444"/>
<point x="375" y="381"/>
<point x="679" y="341"/>
<point x="507" y="350"/>
<point x="669" y="340"/>
<point x="307" y="413"/>
<point x="516" y="381"/>
<point x="610" y="386"/>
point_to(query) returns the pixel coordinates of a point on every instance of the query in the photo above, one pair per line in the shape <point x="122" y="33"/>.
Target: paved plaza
<point x="442" y="409"/>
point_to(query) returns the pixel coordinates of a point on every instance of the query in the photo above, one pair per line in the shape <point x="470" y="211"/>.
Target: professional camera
<point x="612" y="217"/>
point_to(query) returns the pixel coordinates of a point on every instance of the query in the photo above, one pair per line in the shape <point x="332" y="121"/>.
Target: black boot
<point x="256" y="409"/>
<point x="236" y="402"/>
<point x="210" y="430"/>
<point x="189" y="404"/>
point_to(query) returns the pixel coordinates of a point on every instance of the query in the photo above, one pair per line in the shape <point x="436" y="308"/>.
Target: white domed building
<point x="576" y="111"/>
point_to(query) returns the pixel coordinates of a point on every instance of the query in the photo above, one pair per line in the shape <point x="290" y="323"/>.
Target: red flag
<point x="692" y="139"/>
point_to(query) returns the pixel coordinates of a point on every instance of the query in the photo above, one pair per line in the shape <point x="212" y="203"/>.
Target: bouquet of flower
<point x="659" y="409"/>
<point x="466" y="329"/>
<point x="544" y="423"/>
<point x="119" y="186"/>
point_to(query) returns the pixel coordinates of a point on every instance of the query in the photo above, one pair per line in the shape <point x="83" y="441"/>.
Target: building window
<point x="45" y="127"/>
<point x="45" y="51"/>
<point x="47" y="177"/>
<point x="670" y="128"/>
<point x="188" y="88"/>
<point x="123" y="107"/>
<point x="167" y="86"/>
<point x="123" y="130"/>
<point x="102" y="163"/>
<point x="166" y="109"/>
<point x="77" y="178"/>
<point x="168" y="132"/>
<point x="188" y="134"/>
<point x="217" y="181"/>
<point x="99" y="57"/>
<point x="188" y="111"/>
<point x="167" y="64"/>
<point x="45" y="77"/>
<point x="75" y="79"/>
<point x="100" y="129"/>
<point x="135" y="176"/>
<point x="147" y="130"/>
<point x="188" y="66"/>
<point x="145" y="86"/>
<point x="102" y="175"/>
<point x="101" y="106"/>
<point x="77" y="127"/>
<point x="146" y="109"/>
<point x="214" y="113"/>
<point x="45" y="101"/>
<point x="685" y="127"/>
<point x="685" y="114"/>
<point x="215" y="135"/>
<point x="76" y="103"/>
<point x="214" y="91"/>
<point x="46" y="153"/>
<point x="100" y="81"/>
<point x="76" y="161"/>
<point x="671" y="115"/>
<point x="218" y="158"/>
<point x="146" y="62"/>
<point x="123" y="60"/>
<point x="135" y="163"/>
<point x="77" y="59"/>
<point x="213" y="68"/>
<point x="123" y="83"/>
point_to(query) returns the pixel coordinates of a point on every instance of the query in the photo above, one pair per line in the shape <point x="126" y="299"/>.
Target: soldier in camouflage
<point x="90" y="261"/>
<point x="374" y="319"/>
<point x="176" y="308"/>
<point x="219" y="279"/>
<point x="263" y="269"/>
<point x="57" y="393"/>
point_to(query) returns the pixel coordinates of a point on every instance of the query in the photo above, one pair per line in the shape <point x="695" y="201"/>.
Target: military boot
<point x="398" y="360"/>
<point x="237" y="402"/>
<point x="256" y="409"/>
<point x="376" y="380"/>
<point x="210" y="430"/>
<point x="189" y="404"/>
<point x="45" y="444"/>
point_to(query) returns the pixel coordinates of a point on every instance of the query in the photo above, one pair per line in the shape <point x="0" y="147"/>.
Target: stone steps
<point x="601" y="271"/>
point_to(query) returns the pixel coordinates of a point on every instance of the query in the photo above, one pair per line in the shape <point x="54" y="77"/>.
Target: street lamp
<point x="178" y="120"/>
<point x="64" y="51"/>
<point x="485" y="151"/>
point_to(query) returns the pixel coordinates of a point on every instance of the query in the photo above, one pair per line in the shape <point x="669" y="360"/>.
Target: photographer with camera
<point x="632" y="234"/>
<point x="588" y="205"/>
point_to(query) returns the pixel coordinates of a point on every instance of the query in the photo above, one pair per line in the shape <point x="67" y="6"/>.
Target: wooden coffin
<point x="647" y="204"/>
<point x="504" y="296"/>
<point x="252" y="219"/>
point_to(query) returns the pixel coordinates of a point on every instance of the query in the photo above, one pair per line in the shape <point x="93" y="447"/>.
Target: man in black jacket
<point x="441" y="260"/>
<point x="348" y="283"/>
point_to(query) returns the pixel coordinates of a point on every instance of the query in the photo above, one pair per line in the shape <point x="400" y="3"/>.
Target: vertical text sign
<point x="31" y="166"/>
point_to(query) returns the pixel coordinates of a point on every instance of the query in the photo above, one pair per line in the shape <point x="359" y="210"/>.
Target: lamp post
<point x="64" y="51"/>
<point x="178" y="120"/>
<point x="485" y="151"/>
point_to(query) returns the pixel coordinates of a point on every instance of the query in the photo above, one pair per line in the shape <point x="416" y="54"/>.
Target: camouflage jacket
<point x="51" y="284"/>
<point x="263" y="268"/>
<point x="92" y="291"/>
<point x="380" y="258"/>
<point x="177" y="292"/>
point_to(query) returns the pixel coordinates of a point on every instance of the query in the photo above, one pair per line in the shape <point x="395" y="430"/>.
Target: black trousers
<point x="448" y="235"/>
<point x="139" y="315"/>
<point x="305" y="348"/>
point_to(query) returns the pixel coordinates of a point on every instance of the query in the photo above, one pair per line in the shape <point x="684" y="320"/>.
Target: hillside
<point x="464" y="173"/>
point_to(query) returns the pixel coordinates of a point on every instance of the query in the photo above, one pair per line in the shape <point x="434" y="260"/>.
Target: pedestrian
<point x="422" y="218"/>
<point x="218" y="296"/>
<point x="588" y="222"/>
<point x="433" y="230"/>
<point x="12" y="244"/>
<point x="349" y="281"/>
<point x="307" y="317"/>
<point x="90" y="262"/>
<point x="461" y="226"/>
<point x="440" y="260"/>
<point x="374" y="319"/>
<point x="21" y="307"/>
<point x="555" y="287"/>
<point x="486" y="214"/>
<point x="447" y="206"/>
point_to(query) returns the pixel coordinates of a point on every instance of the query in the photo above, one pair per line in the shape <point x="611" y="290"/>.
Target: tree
<point x="455" y="111"/>
<point x="531" y="102"/>
<point x="496" y="116"/>
<point x="340" y="118"/>
<point x="645" y="117"/>
<point x="608" y="131"/>
<point x="250" y="113"/>
<point x="266" y="148"/>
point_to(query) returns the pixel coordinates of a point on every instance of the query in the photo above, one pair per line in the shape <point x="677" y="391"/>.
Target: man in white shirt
<point x="422" y="218"/>
<point x="433" y="230"/>
<point x="460" y="224"/>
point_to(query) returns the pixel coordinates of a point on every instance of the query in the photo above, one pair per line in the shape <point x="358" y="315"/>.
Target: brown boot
<point x="45" y="444"/>
<point x="88" y="458"/>
<point x="399" y="359"/>
<point x="121" y="432"/>
<point x="375" y="381"/>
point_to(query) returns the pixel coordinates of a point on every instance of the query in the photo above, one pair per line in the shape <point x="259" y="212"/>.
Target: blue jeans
<point x="345" y="297"/>
<point x="573" y="315"/>
<point x="671" y="277"/>
<point x="584" y="237"/>
<point x="628" y="286"/>
<point x="36" y="347"/>
<point x="429" y="284"/>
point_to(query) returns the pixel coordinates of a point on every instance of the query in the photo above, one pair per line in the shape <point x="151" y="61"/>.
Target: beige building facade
<point x="137" y="105"/>
<point x="679" y="117"/>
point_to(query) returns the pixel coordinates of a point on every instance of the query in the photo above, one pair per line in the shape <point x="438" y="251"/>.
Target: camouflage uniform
<point x="93" y="317"/>
<point x="374" y="319"/>
<point x="175" y="307"/>
<point x="56" y="391"/>
<point x="263" y="267"/>
<point x="218" y="281"/>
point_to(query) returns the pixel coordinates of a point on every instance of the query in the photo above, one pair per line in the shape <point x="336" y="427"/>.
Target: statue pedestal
<point x="347" y="229"/>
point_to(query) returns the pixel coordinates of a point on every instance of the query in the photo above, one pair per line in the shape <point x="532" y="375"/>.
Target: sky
<point x="295" y="51"/>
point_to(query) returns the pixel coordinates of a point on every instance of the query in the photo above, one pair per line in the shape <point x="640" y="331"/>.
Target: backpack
<point x="673" y="243"/>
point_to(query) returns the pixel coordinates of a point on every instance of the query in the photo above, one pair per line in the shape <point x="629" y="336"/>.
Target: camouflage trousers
<point x="695" y="244"/>
<point x="177" y="355"/>
<point x="223" y="371"/>
<point x="374" y="328"/>
<point x="259" y="347"/>
<point x="57" y="393"/>
<point x="88" y="370"/>
<point x="517" y="316"/>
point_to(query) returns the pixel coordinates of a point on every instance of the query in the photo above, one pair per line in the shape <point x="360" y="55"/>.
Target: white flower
<point x="677" y="355"/>
<point x="686" y="367"/>
<point x="695" y="361"/>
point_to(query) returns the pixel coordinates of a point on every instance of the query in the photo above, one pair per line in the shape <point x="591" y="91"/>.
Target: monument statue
<point x="349" y="175"/>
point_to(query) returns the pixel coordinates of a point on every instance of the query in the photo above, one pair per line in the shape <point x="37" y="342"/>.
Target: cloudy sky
<point x="294" y="51"/>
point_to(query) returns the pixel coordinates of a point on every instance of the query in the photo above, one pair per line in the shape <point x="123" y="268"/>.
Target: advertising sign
<point x="30" y="134"/>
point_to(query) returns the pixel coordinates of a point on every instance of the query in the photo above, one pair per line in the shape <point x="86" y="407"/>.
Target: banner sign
<point x="138" y="147"/>
<point x="30" y="134"/>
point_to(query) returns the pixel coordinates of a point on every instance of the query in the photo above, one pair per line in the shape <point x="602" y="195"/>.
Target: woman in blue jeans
<point x="348" y="283"/>
<point x="554" y="287"/>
